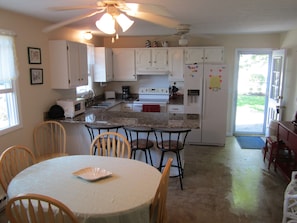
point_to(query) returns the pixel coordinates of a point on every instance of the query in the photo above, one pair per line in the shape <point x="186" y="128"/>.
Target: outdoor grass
<point x="256" y="102"/>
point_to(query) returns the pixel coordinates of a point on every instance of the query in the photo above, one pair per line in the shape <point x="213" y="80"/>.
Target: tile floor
<point x="224" y="184"/>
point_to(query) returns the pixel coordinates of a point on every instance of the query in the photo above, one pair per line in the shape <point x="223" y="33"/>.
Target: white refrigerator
<point x="206" y="94"/>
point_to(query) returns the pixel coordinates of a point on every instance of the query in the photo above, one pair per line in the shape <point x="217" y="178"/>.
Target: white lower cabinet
<point x="175" y="108"/>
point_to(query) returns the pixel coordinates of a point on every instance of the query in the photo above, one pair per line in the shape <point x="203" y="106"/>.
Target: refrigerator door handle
<point x="203" y="98"/>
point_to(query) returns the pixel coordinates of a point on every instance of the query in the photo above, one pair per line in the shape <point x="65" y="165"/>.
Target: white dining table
<point x="124" y="196"/>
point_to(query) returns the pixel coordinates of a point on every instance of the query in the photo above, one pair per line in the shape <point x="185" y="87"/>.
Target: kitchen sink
<point x="102" y="105"/>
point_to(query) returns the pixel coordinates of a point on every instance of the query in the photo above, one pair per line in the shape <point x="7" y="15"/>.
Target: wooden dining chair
<point x="49" y="140"/>
<point x="158" y="212"/>
<point x="38" y="208"/>
<point x="12" y="161"/>
<point x="111" y="144"/>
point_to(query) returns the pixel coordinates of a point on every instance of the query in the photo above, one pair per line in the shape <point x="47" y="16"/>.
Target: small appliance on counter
<point x="109" y="95"/>
<point x="72" y="107"/>
<point x="125" y="92"/>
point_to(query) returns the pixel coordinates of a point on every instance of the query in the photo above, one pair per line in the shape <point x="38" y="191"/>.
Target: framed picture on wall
<point x="36" y="76"/>
<point x="34" y="55"/>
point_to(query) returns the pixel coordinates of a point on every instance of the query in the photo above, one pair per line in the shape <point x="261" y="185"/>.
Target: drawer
<point x="175" y="109"/>
<point x="292" y="140"/>
<point x="283" y="134"/>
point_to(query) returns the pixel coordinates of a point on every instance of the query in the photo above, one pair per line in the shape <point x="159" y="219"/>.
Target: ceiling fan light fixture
<point x="106" y="24"/>
<point x="124" y="22"/>
<point x="88" y="35"/>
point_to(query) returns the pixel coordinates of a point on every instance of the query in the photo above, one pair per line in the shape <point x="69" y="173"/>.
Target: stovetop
<point x="153" y="95"/>
<point x="157" y="91"/>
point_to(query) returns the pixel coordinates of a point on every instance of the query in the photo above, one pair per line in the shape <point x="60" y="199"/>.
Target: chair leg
<point x="180" y="164"/>
<point x="149" y="151"/>
<point x="145" y="156"/>
<point x="180" y="170"/>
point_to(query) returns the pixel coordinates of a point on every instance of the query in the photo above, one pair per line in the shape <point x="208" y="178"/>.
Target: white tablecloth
<point x="123" y="197"/>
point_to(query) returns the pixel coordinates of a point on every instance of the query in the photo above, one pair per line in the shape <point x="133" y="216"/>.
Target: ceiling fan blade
<point x="160" y="20"/>
<point x="66" y="8"/>
<point x="148" y="8"/>
<point x="66" y="22"/>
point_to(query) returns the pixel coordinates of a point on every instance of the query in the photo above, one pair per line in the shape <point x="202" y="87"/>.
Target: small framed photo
<point x="34" y="55"/>
<point x="36" y="75"/>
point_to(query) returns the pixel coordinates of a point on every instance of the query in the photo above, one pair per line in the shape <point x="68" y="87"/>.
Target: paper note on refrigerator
<point x="215" y="79"/>
<point x="215" y="82"/>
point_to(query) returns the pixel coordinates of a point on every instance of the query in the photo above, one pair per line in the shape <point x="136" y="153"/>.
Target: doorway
<point x="252" y="78"/>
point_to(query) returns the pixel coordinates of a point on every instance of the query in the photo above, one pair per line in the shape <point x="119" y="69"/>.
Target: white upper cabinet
<point x="103" y="70"/>
<point x="176" y="64"/>
<point x="124" y="64"/>
<point x="68" y="64"/>
<point x="204" y="55"/>
<point x="151" y="60"/>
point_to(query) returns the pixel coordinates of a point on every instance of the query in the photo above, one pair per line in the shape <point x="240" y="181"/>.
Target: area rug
<point x="250" y="142"/>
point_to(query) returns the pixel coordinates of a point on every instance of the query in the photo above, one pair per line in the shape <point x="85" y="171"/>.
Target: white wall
<point x="289" y="42"/>
<point x="34" y="99"/>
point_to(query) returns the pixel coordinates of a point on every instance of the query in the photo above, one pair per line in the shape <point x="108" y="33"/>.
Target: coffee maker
<point x="125" y="92"/>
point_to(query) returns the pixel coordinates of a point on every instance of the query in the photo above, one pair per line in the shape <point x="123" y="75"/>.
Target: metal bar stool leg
<point x="161" y="162"/>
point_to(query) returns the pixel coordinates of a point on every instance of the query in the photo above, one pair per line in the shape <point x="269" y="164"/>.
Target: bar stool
<point x="93" y="129"/>
<point x="139" y="141"/>
<point x="172" y="140"/>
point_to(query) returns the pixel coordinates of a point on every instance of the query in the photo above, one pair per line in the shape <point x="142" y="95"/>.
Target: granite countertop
<point x="148" y="119"/>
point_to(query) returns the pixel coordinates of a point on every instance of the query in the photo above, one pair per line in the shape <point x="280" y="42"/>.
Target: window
<point x="9" y="109"/>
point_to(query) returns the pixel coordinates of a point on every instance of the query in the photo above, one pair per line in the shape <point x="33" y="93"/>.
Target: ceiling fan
<point x="182" y="31"/>
<point x="152" y="13"/>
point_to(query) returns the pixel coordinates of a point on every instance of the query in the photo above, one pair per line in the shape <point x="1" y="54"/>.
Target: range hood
<point x="152" y="72"/>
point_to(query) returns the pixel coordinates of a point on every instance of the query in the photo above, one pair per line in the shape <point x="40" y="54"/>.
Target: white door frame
<point x="236" y="70"/>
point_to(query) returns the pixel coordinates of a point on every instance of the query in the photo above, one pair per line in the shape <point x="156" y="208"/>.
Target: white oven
<point x="152" y="97"/>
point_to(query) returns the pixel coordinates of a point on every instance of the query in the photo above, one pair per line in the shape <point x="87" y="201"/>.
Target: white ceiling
<point x="206" y="17"/>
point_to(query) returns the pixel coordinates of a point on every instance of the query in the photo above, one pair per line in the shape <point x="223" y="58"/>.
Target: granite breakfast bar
<point x="78" y="140"/>
<point x="147" y="119"/>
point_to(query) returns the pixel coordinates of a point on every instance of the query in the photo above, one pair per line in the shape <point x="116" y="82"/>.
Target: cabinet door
<point x="175" y="108"/>
<point x="78" y="64"/>
<point x="143" y="59"/>
<point x="73" y="64"/>
<point x="214" y="55"/>
<point x="103" y="65"/>
<point x="160" y="59"/>
<point x="68" y="64"/>
<point x="194" y="55"/>
<point x="124" y="64"/>
<point x="176" y="64"/>
<point x="83" y="63"/>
